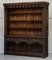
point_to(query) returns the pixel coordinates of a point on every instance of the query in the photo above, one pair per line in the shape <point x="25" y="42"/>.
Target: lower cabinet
<point x="21" y="46"/>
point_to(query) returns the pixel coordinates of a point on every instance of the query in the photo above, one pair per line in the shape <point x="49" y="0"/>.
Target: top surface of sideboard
<point x="26" y="3"/>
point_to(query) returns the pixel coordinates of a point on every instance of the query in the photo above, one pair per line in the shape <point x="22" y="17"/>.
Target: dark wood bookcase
<point x="26" y="28"/>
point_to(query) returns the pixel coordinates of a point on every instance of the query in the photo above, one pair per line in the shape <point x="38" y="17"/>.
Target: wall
<point x="2" y="21"/>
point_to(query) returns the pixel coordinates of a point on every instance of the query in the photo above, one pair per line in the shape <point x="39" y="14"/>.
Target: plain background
<point x="2" y="22"/>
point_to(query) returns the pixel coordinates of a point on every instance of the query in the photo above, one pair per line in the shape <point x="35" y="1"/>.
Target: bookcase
<point x="26" y="28"/>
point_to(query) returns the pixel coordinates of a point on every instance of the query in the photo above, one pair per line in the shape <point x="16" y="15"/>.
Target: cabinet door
<point x="23" y="46"/>
<point x="36" y="46"/>
<point x="11" y="45"/>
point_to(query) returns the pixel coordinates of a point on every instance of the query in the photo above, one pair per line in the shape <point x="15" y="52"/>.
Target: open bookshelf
<point x="26" y="28"/>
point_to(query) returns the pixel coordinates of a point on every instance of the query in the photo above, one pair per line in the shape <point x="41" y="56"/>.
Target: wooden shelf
<point x="26" y="29"/>
<point x="24" y="53"/>
<point x="28" y="37"/>
<point x="17" y="21"/>
<point x="39" y="13"/>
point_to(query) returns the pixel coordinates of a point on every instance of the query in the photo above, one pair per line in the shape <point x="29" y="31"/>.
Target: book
<point x="36" y="17"/>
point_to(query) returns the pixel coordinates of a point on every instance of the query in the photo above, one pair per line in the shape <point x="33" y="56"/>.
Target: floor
<point x="14" y="57"/>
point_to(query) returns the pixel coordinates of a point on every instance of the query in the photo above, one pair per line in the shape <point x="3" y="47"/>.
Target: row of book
<point x="26" y="11"/>
<point x="25" y="17"/>
<point x="25" y="33"/>
<point x="25" y="25"/>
